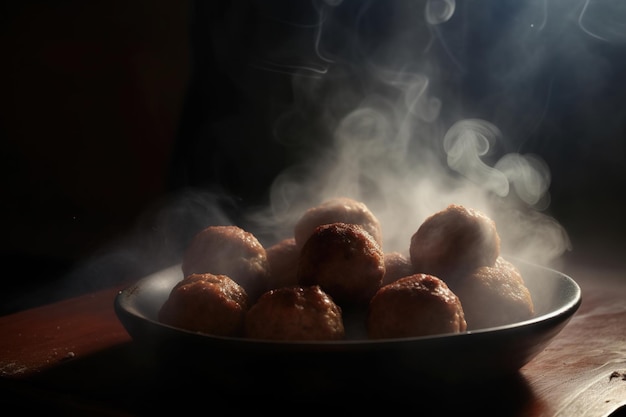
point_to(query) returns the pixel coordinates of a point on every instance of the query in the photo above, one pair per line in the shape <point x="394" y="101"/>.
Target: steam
<point x="386" y="144"/>
<point x="468" y="141"/>
<point x="373" y="116"/>
<point x="604" y="20"/>
<point x="373" y="159"/>
<point x="439" y="11"/>
<point x="465" y="143"/>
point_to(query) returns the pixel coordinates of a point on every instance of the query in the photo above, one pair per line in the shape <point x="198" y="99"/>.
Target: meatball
<point x="345" y="261"/>
<point x="454" y="241"/>
<point x="514" y="272"/>
<point x="283" y="260"/>
<point x="231" y="251"/>
<point x="207" y="303"/>
<point x="396" y="266"/>
<point x="295" y="313"/>
<point x="494" y="296"/>
<point x="337" y="210"/>
<point x="415" y="305"/>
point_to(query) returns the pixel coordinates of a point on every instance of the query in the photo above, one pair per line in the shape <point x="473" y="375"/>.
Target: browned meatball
<point x="337" y="210"/>
<point x="295" y="313"/>
<point x="454" y="241"/>
<point x="207" y="303"/>
<point x="231" y="251"/>
<point x="396" y="266"/>
<point x="514" y="272"/>
<point x="283" y="259"/>
<point x="494" y="296"/>
<point x="416" y="305"/>
<point x="344" y="260"/>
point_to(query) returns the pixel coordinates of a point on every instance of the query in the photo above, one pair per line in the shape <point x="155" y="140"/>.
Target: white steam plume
<point x="392" y="151"/>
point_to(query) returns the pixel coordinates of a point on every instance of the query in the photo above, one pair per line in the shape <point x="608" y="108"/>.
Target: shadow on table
<point x="126" y="381"/>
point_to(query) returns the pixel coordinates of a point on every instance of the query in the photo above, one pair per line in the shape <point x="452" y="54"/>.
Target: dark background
<point x="109" y="109"/>
<point x="91" y="99"/>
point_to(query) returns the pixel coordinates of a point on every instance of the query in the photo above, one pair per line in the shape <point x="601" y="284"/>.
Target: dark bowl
<point x="308" y="366"/>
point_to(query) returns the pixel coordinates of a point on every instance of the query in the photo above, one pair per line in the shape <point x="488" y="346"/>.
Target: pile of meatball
<point x="333" y="271"/>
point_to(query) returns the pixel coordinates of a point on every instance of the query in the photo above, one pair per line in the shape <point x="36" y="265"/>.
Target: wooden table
<point x="75" y="357"/>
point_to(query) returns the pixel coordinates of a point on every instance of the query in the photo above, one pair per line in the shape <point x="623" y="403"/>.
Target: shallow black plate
<point x="478" y="354"/>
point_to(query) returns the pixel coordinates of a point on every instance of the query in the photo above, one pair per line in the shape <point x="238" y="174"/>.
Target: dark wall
<point x="91" y="96"/>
